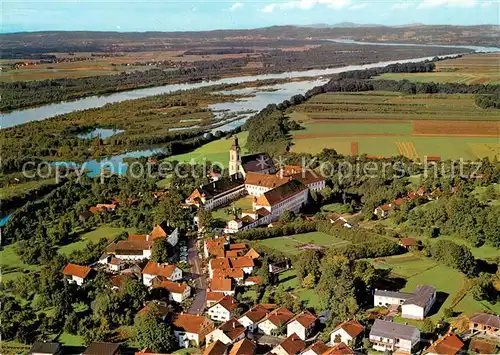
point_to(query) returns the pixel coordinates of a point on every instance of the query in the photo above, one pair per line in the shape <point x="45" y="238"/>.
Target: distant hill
<point x="341" y="25"/>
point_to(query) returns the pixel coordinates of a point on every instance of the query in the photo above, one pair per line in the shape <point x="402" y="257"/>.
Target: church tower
<point x="234" y="157"/>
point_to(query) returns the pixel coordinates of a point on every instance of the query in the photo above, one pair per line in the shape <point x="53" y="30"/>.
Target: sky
<point x="189" y="15"/>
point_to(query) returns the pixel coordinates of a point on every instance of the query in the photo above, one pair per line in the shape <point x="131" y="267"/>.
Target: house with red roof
<point x="223" y="310"/>
<point x="274" y="320"/>
<point x="77" y="274"/>
<point x="302" y="324"/>
<point x="243" y="347"/>
<point x="163" y="272"/>
<point x="252" y="317"/>
<point x="191" y="330"/>
<point x="448" y="344"/>
<point x="347" y="333"/>
<point x="177" y="292"/>
<point x="229" y="332"/>
<point x="290" y="346"/>
<point x="216" y="348"/>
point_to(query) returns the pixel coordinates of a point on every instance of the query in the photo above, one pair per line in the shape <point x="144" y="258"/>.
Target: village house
<point x="229" y="332"/>
<point x="382" y="211"/>
<point x="317" y="348"/>
<point x="77" y="274"/>
<point x="253" y="254"/>
<point x="131" y="249"/>
<point x="244" y="262"/>
<point x="347" y="333"/>
<point x="243" y="347"/>
<point x="215" y="247"/>
<point x="302" y="324"/>
<point x="102" y="348"/>
<point x="386" y="335"/>
<point x="46" y="348"/>
<point x="222" y="311"/>
<point x="213" y="298"/>
<point x="448" y="344"/>
<point x="177" y="292"/>
<point x="216" y="348"/>
<point x="408" y="242"/>
<point x="290" y="346"/>
<point x="168" y="272"/>
<point x="252" y="317"/>
<point x="252" y="280"/>
<point x="222" y="285"/>
<point x="191" y="330"/>
<point x="414" y="305"/>
<point x="164" y="231"/>
<point x="274" y="320"/>
<point x="488" y="324"/>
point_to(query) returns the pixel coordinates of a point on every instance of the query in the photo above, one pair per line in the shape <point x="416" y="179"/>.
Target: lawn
<point x="245" y="203"/>
<point x="406" y="265"/>
<point x="93" y="236"/>
<point x="289" y="244"/>
<point x="335" y="207"/>
<point x="216" y="151"/>
<point x="70" y="340"/>
<point x="12" y="266"/>
<point x="290" y="282"/>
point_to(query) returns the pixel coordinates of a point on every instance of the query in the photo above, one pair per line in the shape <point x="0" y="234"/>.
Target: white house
<point x="274" y="320"/>
<point x="177" y="292"/>
<point x="191" y="330"/>
<point x="131" y="249"/>
<point x="420" y="303"/>
<point x="317" y="348"/>
<point x="229" y="332"/>
<point x="302" y="325"/>
<point x="346" y="332"/>
<point x="391" y="336"/>
<point x="77" y="274"/>
<point x="164" y="271"/>
<point x="414" y="305"/>
<point x="159" y="231"/>
<point x="222" y="311"/>
<point x="252" y="317"/>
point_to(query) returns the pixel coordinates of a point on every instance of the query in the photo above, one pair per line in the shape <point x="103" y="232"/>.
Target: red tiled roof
<point x="118" y="280"/>
<point x="232" y="273"/>
<point x="279" y="316"/>
<point x="157" y="232"/>
<point x="228" y="303"/>
<point x="308" y="177"/>
<point x="318" y="348"/>
<point x="192" y="323"/>
<point x="351" y="327"/>
<point x="172" y="287"/>
<point x="243" y="347"/>
<point x="257" y="313"/>
<point x="165" y="270"/>
<point x="399" y="201"/>
<point x="234" y="253"/>
<point x="215" y="348"/>
<point x="293" y="344"/>
<point x="219" y="263"/>
<point x="137" y="237"/>
<point x="221" y="284"/>
<point x="448" y="344"/>
<point x="214" y="296"/>
<point x="132" y="245"/>
<point x="281" y="193"/>
<point x="255" y="279"/>
<point x="237" y="246"/>
<point x="115" y="261"/>
<point x="385" y="207"/>
<point x="340" y="349"/>
<point x="163" y="310"/>
<point x="232" y="328"/>
<point x="406" y="242"/>
<point x="76" y="270"/>
<point x="305" y="318"/>
<point x="252" y="253"/>
<point x="242" y="261"/>
<point x="265" y="180"/>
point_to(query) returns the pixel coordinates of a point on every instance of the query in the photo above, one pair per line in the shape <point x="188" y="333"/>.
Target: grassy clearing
<point x="11" y="264"/>
<point x="289" y="244"/>
<point x="93" y="236"/>
<point x="216" y="151"/>
<point x="335" y="207"/>
<point x="470" y="69"/>
<point x="70" y="340"/>
<point x="290" y="282"/>
<point x="245" y="203"/>
<point x="406" y="265"/>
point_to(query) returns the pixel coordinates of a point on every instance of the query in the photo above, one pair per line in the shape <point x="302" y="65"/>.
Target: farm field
<point x="293" y="244"/>
<point x="93" y="236"/>
<point x="390" y="124"/>
<point x="470" y="69"/>
<point x="216" y="151"/>
<point x="448" y="282"/>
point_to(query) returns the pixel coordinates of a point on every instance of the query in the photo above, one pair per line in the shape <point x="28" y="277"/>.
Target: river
<point x="261" y="97"/>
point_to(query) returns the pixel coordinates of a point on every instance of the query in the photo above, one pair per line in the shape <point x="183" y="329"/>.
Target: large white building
<point x="391" y="336"/>
<point x="414" y="305"/>
<point x="154" y="270"/>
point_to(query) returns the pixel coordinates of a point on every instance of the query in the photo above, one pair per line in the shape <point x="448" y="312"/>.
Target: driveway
<point x="199" y="279"/>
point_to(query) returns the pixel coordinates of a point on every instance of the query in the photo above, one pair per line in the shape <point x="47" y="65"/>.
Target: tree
<point x="161" y="251"/>
<point x="309" y="281"/>
<point x="309" y="263"/>
<point x="484" y="289"/>
<point x="428" y="326"/>
<point x="264" y="273"/>
<point x="152" y="332"/>
<point x="287" y="216"/>
<point x="448" y="313"/>
<point x="205" y="220"/>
